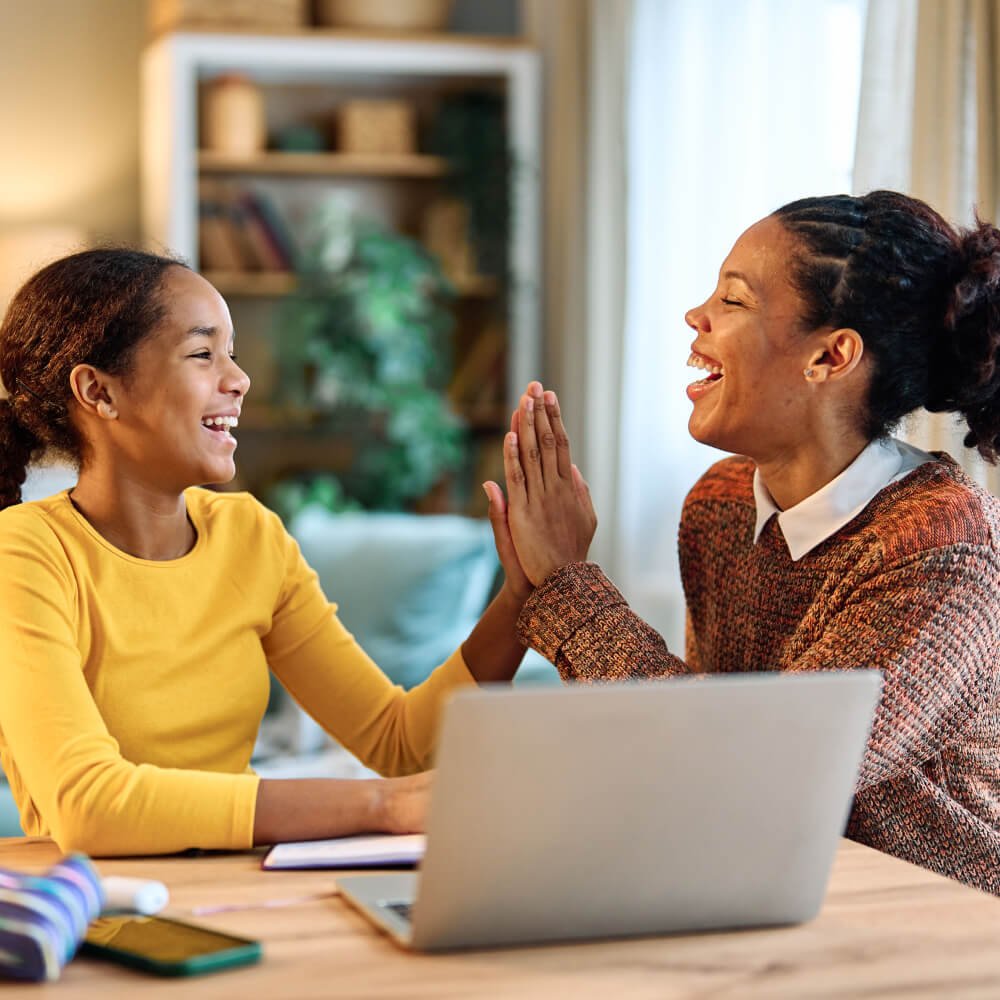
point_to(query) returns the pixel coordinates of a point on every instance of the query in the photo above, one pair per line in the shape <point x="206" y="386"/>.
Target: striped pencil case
<point x="43" y="917"/>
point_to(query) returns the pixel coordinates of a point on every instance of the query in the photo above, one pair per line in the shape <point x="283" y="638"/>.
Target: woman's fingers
<point x="529" y="454"/>
<point x="563" y="461"/>
<point x="545" y="437"/>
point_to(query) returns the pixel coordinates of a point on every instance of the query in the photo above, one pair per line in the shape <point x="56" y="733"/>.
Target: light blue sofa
<point x="409" y="587"/>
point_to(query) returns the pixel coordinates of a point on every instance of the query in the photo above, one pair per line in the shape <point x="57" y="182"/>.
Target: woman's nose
<point x="697" y="319"/>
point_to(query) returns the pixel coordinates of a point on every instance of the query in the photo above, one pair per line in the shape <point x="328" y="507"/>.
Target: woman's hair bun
<point x="964" y="373"/>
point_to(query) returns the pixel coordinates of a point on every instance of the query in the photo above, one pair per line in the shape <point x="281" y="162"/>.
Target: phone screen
<point x="172" y="947"/>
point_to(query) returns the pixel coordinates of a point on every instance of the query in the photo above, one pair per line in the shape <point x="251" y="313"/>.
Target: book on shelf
<point x="264" y="220"/>
<point x="241" y="230"/>
<point x="218" y="247"/>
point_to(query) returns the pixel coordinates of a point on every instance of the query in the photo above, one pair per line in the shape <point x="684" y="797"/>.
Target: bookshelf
<point x="275" y="284"/>
<point x="301" y="74"/>
<point x="280" y="164"/>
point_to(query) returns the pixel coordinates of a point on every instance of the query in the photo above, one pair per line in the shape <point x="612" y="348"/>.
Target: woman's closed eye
<point x="730" y="302"/>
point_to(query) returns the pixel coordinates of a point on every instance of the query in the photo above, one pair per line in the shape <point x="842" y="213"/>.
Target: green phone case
<point x="242" y="951"/>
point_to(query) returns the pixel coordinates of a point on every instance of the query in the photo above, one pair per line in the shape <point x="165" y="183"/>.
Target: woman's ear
<point x="93" y="390"/>
<point x="837" y="355"/>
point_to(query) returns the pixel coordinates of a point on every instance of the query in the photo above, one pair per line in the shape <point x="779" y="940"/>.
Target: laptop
<point x="577" y="812"/>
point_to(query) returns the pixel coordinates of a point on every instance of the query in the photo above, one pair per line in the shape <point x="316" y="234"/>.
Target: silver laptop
<point x="613" y="810"/>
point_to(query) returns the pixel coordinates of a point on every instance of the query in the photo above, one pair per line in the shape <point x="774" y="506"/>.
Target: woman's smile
<point x="715" y="374"/>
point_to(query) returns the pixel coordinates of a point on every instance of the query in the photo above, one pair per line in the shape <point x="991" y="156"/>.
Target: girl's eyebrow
<point x="208" y="331"/>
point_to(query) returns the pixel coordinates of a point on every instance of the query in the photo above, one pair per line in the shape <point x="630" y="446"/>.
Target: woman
<point x="139" y="614"/>
<point x="830" y="545"/>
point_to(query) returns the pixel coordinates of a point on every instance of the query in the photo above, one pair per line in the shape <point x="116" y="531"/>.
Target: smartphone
<point x="166" y="947"/>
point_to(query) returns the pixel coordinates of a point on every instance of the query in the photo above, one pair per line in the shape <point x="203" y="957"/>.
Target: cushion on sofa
<point x="408" y="586"/>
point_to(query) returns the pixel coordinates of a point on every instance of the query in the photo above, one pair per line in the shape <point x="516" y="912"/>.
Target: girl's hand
<point x="517" y="581"/>
<point x="400" y="804"/>
<point x="549" y="511"/>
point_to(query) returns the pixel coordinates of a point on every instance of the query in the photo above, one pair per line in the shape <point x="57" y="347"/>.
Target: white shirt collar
<point x="815" y="519"/>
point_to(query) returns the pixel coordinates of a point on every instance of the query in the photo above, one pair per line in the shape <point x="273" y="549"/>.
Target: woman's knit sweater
<point x="911" y="586"/>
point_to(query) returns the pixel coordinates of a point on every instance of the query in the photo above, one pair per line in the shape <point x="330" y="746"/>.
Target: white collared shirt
<point x="815" y="519"/>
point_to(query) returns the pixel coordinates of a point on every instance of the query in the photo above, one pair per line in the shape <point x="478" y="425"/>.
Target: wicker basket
<point x="179" y="15"/>
<point x="387" y="127"/>
<point x="385" y="15"/>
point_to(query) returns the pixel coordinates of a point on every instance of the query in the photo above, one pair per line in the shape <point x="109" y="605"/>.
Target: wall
<point x="69" y="118"/>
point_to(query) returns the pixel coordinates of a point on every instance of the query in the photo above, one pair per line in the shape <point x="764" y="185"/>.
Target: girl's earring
<point x="809" y="373"/>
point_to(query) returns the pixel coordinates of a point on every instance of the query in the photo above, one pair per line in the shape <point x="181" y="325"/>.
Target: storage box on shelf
<point x="368" y="100"/>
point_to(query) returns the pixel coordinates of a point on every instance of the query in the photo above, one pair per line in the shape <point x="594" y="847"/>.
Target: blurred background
<point x="412" y="215"/>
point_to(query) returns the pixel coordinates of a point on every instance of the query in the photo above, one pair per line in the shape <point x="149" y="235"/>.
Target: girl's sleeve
<point x="322" y="666"/>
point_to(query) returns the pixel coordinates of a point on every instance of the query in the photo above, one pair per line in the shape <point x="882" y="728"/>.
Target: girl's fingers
<point x="583" y="492"/>
<point x="501" y="529"/>
<point x="497" y="501"/>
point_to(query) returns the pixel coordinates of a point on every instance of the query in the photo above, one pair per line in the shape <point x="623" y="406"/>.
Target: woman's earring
<point x="808" y="373"/>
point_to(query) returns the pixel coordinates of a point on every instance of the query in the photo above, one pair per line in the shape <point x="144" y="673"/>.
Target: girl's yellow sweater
<point x="131" y="691"/>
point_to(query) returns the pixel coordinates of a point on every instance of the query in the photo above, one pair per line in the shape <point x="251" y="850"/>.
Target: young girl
<point x="139" y="613"/>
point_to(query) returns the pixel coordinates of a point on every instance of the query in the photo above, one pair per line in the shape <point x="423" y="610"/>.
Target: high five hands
<point x="548" y="519"/>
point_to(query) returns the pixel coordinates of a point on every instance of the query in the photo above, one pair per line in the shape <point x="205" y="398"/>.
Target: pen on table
<point x="203" y="911"/>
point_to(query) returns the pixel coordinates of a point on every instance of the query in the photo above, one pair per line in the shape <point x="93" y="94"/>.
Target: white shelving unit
<point x="175" y="65"/>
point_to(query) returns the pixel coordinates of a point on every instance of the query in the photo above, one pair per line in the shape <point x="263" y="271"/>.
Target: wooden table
<point x="887" y="929"/>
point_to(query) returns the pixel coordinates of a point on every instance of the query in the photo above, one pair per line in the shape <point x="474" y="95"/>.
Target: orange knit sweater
<point x="911" y="586"/>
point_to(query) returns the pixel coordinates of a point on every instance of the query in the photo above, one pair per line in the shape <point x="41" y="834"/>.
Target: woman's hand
<point x="400" y="804"/>
<point x="549" y="513"/>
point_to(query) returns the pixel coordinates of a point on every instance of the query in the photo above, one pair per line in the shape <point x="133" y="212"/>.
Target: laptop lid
<point x="612" y="810"/>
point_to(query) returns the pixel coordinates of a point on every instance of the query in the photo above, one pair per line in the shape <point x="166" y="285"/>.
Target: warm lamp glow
<point x="24" y="250"/>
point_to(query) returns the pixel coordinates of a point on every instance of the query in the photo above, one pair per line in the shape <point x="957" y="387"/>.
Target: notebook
<point x="347" y="852"/>
<point x="614" y="810"/>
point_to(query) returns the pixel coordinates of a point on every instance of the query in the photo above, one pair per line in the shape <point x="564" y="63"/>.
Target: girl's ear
<point x="94" y="392"/>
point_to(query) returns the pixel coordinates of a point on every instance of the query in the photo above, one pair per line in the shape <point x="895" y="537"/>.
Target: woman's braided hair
<point x="923" y="295"/>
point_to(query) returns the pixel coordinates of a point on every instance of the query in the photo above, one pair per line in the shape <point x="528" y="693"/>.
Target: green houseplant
<point x="363" y="346"/>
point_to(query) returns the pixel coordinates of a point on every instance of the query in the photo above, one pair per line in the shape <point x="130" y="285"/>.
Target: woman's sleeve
<point x="578" y="620"/>
<point x="931" y="624"/>
<point x="322" y="666"/>
<point x="84" y="792"/>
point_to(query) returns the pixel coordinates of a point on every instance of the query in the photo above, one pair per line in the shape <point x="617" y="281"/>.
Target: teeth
<point x="229" y="422"/>
<point x="697" y="361"/>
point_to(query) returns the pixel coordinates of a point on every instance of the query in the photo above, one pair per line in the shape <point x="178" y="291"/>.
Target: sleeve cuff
<point x="562" y="603"/>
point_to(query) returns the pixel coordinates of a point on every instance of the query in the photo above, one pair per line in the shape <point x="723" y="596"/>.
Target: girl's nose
<point x="238" y="382"/>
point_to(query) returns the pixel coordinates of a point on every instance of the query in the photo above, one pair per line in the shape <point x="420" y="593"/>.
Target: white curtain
<point x="928" y="126"/>
<point x="584" y="46"/>
<point x="735" y="107"/>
